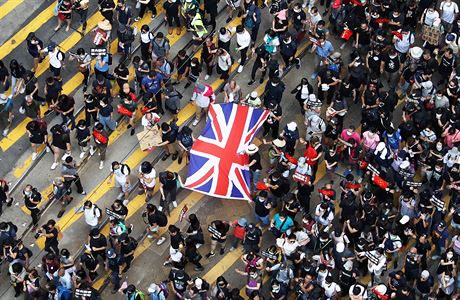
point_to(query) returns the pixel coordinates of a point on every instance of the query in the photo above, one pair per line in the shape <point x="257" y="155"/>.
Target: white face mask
<point x="449" y="255"/>
<point x="438" y="147"/>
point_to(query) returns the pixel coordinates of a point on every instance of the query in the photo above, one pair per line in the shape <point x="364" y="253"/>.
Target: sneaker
<point x="166" y="263"/>
<point x="231" y="249"/>
<point x="222" y="251"/>
<point x="261" y="80"/>
<point x="174" y="156"/>
<point x="174" y="203"/>
<point x="137" y="19"/>
<point x="161" y="240"/>
<point x="206" y="77"/>
<point x="198" y="268"/>
<point x="54" y="165"/>
<point x="125" y="202"/>
<point x="210" y="254"/>
<point x="101" y="165"/>
<point x="120" y="196"/>
<point x="83" y="193"/>
<point x="198" y="246"/>
<point x="22" y="91"/>
<point x="240" y="69"/>
<point x="153" y="17"/>
<point x="187" y="85"/>
<point x="34" y="155"/>
<point x="195" y="122"/>
<point x="92" y="151"/>
<point x="228" y="19"/>
<point x="48" y="150"/>
<point x="82" y="155"/>
<point x="165" y="156"/>
<point x="132" y="131"/>
<point x="150" y="236"/>
<point x="5" y="132"/>
<point x="179" y="161"/>
<point x="251" y="82"/>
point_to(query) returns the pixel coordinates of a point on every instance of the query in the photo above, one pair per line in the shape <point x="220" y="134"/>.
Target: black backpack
<point x="162" y="220"/>
<point x="133" y="242"/>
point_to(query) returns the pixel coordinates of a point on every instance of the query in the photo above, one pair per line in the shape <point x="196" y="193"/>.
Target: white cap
<point x="254" y="94"/>
<point x="292" y="126"/>
<point x="340" y="247"/>
<point x="425" y="274"/>
<point x="198" y="283"/>
<point x="152" y="288"/>
<point x="404" y="219"/>
<point x="416" y="52"/>
<point x="404" y="165"/>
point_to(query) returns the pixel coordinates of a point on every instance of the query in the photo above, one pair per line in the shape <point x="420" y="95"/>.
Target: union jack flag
<point x="218" y="163"/>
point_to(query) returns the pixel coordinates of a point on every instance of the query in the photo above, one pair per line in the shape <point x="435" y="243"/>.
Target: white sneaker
<point x="195" y="122"/>
<point x="21" y="91"/>
<point x="239" y="60"/>
<point x="161" y="240"/>
<point x="48" y="149"/>
<point x="82" y="154"/>
<point x="240" y="69"/>
<point x="206" y="77"/>
<point x="34" y="155"/>
<point x="54" y="165"/>
<point x="101" y="165"/>
<point x="150" y="236"/>
<point x="92" y="151"/>
<point x="65" y="156"/>
<point x="174" y="203"/>
<point x="125" y="202"/>
<point x="120" y="196"/>
<point x="5" y="132"/>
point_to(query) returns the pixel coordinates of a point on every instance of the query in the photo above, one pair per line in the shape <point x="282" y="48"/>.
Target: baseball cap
<point x="110" y="252"/>
<point x="425" y="274"/>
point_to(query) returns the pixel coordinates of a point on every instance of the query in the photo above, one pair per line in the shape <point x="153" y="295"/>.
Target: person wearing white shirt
<point x="121" y="173"/>
<point x="331" y="289"/>
<point x="403" y="44"/>
<point x="203" y="95"/>
<point x="150" y="120"/>
<point x="449" y="11"/>
<point x="429" y="15"/>
<point x="147" y="178"/>
<point x="56" y="59"/>
<point x="224" y="62"/>
<point x="243" y="41"/>
<point x="92" y="214"/>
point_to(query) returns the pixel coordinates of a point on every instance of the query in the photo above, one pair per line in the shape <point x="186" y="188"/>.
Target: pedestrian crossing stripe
<point x="119" y="131"/>
<point x="21" y="35"/>
<point x="71" y="85"/>
<point x="9" y="6"/>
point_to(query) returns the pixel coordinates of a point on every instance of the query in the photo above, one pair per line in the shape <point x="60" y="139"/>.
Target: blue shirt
<point x="152" y="85"/>
<point x="278" y="222"/>
<point x="106" y="66"/>
<point x="325" y="50"/>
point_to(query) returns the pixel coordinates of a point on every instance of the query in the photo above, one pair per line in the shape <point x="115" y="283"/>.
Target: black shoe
<point x="187" y="85"/>
<point x="165" y="156"/>
<point x="174" y="156"/>
<point x="129" y="126"/>
<point x="114" y="291"/>
<point x="239" y="14"/>
<point x="251" y="82"/>
<point x="210" y="254"/>
<point x="85" y="87"/>
<point x="84" y="26"/>
<point x="261" y="80"/>
<point x="179" y="161"/>
<point x="8" y="204"/>
<point x="222" y="251"/>
<point x="228" y="19"/>
<point x="199" y="268"/>
<point x="133" y="131"/>
<point x="17" y="294"/>
<point x="60" y="214"/>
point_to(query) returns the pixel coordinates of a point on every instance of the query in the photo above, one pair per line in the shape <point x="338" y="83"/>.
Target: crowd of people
<point x="340" y="208"/>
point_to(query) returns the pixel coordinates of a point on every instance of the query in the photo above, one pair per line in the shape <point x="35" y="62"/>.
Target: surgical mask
<point x="438" y="147"/>
<point x="449" y="255"/>
<point x="27" y="193"/>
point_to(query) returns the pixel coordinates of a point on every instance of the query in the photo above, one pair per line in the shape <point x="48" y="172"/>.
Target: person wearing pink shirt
<point x="370" y="140"/>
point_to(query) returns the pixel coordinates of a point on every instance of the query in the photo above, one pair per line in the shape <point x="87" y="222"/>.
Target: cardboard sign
<point x="431" y="34"/>
<point x="149" y="138"/>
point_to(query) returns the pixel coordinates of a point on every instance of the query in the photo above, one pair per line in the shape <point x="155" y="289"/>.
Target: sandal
<point x="165" y="156"/>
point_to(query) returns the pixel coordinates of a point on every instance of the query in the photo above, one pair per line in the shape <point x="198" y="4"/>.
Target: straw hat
<point x="104" y="25"/>
<point x="279" y="143"/>
<point x="252" y="148"/>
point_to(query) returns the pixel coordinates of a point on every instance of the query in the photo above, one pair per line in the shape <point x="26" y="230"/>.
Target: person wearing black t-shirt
<point x="363" y="38"/>
<point x="168" y="137"/>
<point x="391" y="65"/>
<point x="179" y="281"/>
<point x="32" y="198"/>
<point x="97" y="243"/>
<point x="106" y="8"/>
<point x="254" y="165"/>
<point x="127" y="247"/>
<point x="50" y="232"/>
<point x="262" y="207"/>
<point x="4" y="194"/>
<point x="168" y="188"/>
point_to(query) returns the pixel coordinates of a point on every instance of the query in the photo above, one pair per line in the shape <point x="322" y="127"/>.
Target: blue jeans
<point x="108" y="123"/>
<point x="264" y="220"/>
<point x="255" y="178"/>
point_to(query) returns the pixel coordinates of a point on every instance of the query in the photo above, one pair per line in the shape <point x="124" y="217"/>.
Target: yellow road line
<point x="190" y="201"/>
<point x="7" y="7"/>
<point x="21" y="35"/>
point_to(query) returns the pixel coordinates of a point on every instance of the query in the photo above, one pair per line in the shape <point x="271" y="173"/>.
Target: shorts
<point x="221" y="241"/>
<point x="123" y="186"/>
<point x="197" y="42"/>
<point x="155" y="229"/>
<point x="148" y="188"/>
<point x="56" y="71"/>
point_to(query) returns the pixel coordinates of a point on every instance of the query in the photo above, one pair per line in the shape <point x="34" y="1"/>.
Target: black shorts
<point x="56" y="71"/>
